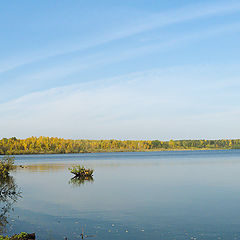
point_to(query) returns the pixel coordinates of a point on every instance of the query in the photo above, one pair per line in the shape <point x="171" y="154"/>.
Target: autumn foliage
<point x="40" y="145"/>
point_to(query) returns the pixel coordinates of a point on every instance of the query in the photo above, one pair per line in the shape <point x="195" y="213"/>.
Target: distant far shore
<point x="130" y="151"/>
<point x="51" y="145"/>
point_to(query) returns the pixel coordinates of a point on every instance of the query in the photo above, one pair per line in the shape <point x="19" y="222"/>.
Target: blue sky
<point x="139" y="69"/>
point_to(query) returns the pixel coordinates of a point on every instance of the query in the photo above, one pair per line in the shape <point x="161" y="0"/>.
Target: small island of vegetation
<point x="81" y="172"/>
<point x="81" y="175"/>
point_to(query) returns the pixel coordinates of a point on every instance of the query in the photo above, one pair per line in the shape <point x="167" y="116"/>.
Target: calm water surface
<point x="154" y="195"/>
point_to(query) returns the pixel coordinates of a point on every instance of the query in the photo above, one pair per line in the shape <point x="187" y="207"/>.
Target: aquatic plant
<point x="82" y="175"/>
<point x="81" y="172"/>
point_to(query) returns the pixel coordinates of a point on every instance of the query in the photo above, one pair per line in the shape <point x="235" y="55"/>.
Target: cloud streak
<point x="119" y="109"/>
<point x="154" y="21"/>
<point x="79" y="64"/>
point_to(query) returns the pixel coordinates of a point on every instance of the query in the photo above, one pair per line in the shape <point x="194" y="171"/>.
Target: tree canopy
<point x="41" y="145"/>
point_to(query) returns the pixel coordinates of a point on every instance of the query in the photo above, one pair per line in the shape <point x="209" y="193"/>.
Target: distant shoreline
<point x="153" y="150"/>
<point x="53" y="145"/>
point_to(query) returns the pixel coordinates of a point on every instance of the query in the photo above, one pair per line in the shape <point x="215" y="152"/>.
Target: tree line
<point x="41" y="145"/>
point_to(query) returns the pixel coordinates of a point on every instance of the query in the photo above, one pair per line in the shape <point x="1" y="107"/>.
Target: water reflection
<point x="9" y="194"/>
<point x="43" y="167"/>
<point x="78" y="181"/>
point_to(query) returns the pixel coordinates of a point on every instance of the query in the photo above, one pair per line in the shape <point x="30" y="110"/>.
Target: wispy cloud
<point x="83" y="63"/>
<point x="121" y="106"/>
<point x="187" y="13"/>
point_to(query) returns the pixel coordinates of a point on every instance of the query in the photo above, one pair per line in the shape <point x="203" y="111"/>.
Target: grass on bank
<point x="21" y="236"/>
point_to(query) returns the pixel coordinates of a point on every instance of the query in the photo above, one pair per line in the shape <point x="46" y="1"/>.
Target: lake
<point x="150" y="195"/>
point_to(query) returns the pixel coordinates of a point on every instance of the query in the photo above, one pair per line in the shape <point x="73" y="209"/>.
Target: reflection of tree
<point x="78" y="181"/>
<point x="9" y="194"/>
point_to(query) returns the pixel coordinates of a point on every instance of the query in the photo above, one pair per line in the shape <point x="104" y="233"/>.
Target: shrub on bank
<point x="6" y="165"/>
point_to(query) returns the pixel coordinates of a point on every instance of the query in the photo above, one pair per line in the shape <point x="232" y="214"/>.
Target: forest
<point x="51" y="145"/>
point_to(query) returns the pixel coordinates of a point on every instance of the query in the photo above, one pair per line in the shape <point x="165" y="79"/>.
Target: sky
<point x="129" y="69"/>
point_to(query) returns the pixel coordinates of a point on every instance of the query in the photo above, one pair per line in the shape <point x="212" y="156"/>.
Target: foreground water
<point x="153" y="195"/>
